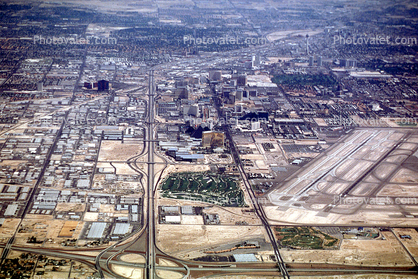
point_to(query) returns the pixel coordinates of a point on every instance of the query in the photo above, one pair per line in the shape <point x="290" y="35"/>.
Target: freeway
<point x="200" y="268"/>
<point x="150" y="271"/>
<point x="254" y="201"/>
<point x="143" y="241"/>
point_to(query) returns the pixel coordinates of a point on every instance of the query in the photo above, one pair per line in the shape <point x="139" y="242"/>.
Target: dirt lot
<point x="68" y="229"/>
<point x="387" y="252"/>
<point x="231" y="215"/>
<point x="38" y="229"/>
<point x="113" y="150"/>
<point x="128" y="272"/>
<point x="107" y="208"/>
<point x="174" y="240"/>
<point x="70" y="207"/>
<point x="116" y="168"/>
<point x="120" y="187"/>
<point x="91" y="216"/>
<point x="133" y="258"/>
<point x="191" y="220"/>
<point x="122" y="168"/>
<point x="410" y="244"/>
<point x="12" y="163"/>
<point x="8" y="229"/>
<point x="47" y="231"/>
<point x="169" y="274"/>
<point x="182" y="168"/>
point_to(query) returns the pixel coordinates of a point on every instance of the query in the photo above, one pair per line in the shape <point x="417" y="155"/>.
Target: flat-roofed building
<point x="96" y="230"/>
<point x="11" y="210"/>
<point x="170" y="209"/>
<point x="173" y="219"/>
<point x="121" y="228"/>
<point x="242" y="258"/>
<point x="83" y="183"/>
<point x="187" y="210"/>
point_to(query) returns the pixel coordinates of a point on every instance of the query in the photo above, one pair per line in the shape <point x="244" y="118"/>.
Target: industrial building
<point x="97" y="230"/>
<point x="243" y="258"/>
<point x="102" y="85"/>
<point x="121" y="228"/>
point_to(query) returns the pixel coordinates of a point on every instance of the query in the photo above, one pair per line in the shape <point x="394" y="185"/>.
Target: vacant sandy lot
<point x="68" y="229"/>
<point x="8" y="229"/>
<point x="189" y="241"/>
<point x="387" y="252"/>
<point x="128" y="272"/>
<point x="410" y="244"/>
<point x="169" y="274"/>
<point x="113" y="150"/>
<point x="70" y="207"/>
<point x="399" y="190"/>
<point x="12" y="163"/>
<point x="44" y="230"/>
<point x="107" y="208"/>
<point x="182" y="168"/>
<point x="91" y="216"/>
<point x="133" y="258"/>
<point x="191" y="220"/>
<point x="231" y="215"/>
<point x="123" y="168"/>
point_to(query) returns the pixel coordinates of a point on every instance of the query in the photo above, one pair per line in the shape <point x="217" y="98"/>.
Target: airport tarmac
<point x="370" y="175"/>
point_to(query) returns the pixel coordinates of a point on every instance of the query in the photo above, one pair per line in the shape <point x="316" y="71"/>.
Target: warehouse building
<point x="96" y="230"/>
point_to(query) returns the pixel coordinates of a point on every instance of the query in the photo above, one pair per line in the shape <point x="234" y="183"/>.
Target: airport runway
<point x="355" y="170"/>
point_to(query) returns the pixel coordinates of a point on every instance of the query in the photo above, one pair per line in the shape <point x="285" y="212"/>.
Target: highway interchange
<point x="143" y="242"/>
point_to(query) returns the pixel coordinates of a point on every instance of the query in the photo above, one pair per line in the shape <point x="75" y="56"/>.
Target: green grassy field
<point x="205" y="187"/>
<point x="305" y="238"/>
<point x="303" y="80"/>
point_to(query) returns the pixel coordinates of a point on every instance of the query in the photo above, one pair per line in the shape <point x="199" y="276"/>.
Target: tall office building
<point x="88" y="85"/>
<point x="194" y="110"/>
<point x="348" y="63"/>
<point x="102" y="85"/>
<point x="239" y="108"/>
<point x="242" y="80"/>
<point x="351" y="63"/>
<point x="181" y="83"/>
<point x="255" y="125"/>
<point x="40" y="86"/>
<point x="182" y="93"/>
<point x="239" y="94"/>
<point x="255" y="61"/>
<point x="311" y="61"/>
<point x="215" y="75"/>
<point x="319" y="61"/>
